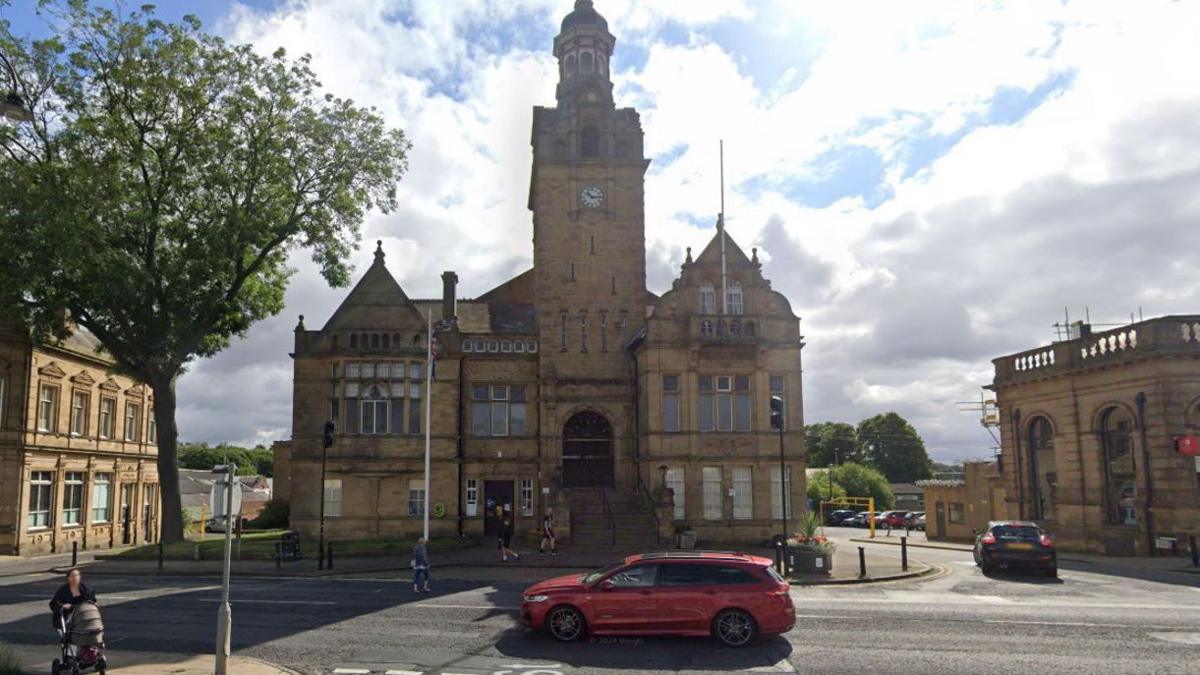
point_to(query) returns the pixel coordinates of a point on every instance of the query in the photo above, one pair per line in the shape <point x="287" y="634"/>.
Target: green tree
<point x="818" y="488"/>
<point x="250" y="461"/>
<point x="830" y="441"/>
<point x="891" y="444"/>
<point x="864" y="481"/>
<point x="162" y="185"/>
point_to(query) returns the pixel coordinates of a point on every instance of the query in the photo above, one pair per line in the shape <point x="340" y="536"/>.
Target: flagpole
<point x="428" y="411"/>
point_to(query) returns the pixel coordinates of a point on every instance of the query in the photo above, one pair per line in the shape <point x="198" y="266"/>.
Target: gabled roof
<point x="518" y="289"/>
<point x="734" y="255"/>
<point x="377" y="300"/>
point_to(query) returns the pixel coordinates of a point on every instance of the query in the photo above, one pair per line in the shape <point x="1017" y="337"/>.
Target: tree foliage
<point x="830" y="441"/>
<point x="818" y="488"/>
<point x="162" y="185"/>
<point x="864" y="481"/>
<point x="889" y="443"/>
<point x="250" y="461"/>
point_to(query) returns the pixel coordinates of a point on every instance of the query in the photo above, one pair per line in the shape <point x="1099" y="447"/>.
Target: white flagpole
<point x="428" y="412"/>
<point x="721" y="227"/>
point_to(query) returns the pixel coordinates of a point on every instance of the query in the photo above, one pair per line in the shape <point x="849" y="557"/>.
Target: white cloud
<point x="1083" y="201"/>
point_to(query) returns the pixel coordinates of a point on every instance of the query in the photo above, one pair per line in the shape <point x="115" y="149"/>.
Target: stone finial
<point x="688" y="259"/>
<point x="754" y="255"/>
<point x="300" y="324"/>
<point x="379" y="251"/>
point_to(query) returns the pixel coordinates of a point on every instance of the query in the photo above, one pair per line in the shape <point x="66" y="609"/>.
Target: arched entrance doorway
<point x="587" y="451"/>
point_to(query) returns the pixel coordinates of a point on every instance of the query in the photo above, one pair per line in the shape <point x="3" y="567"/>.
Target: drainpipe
<point x="1079" y="455"/>
<point x="1016" y="434"/>
<point x="462" y="386"/>
<point x="1140" y="399"/>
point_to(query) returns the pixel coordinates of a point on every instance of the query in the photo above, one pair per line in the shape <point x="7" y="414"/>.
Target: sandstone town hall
<point x="569" y="389"/>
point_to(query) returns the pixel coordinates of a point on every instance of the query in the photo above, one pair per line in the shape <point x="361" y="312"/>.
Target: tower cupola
<point x="584" y="49"/>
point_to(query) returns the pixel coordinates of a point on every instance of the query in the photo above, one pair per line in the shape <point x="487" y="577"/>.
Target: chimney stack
<point x="449" y="296"/>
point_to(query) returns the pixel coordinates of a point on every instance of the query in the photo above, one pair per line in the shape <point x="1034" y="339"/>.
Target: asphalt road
<point x="956" y="620"/>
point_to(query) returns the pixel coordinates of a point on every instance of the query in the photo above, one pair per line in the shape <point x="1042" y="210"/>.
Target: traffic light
<point x="327" y="439"/>
<point x="777" y="412"/>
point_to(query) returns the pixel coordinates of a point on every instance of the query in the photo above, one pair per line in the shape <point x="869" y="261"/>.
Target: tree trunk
<point x="171" y="506"/>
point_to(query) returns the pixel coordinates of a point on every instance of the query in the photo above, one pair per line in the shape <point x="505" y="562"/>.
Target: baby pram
<point x="82" y="642"/>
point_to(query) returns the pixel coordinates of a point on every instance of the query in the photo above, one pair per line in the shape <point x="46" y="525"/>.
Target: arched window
<point x="1043" y="466"/>
<point x="706" y="327"/>
<point x="733" y="298"/>
<point x="387" y="342"/>
<point x="708" y="298"/>
<point x="354" y="341"/>
<point x="587" y="450"/>
<point x="416" y="341"/>
<point x="589" y="142"/>
<point x="572" y="66"/>
<point x="1116" y="442"/>
<point x="587" y="64"/>
<point x="735" y="328"/>
<point x="374" y="410"/>
<point x="374" y="340"/>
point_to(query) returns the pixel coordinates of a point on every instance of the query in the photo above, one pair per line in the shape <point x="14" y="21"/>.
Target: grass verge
<point x="261" y="545"/>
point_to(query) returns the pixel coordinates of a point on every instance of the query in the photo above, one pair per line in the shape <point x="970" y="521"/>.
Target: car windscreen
<point x="1016" y="532"/>
<point x="593" y="577"/>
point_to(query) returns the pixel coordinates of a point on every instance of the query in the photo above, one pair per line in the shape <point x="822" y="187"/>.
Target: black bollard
<point x="862" y="563"/>
<point x="161" y="555"/>
<point x="329" y="550"/>
<point x="779" y="556"/>
<point x="74" y="553"/>
<point x="278" y="555"/>
<point x="904" y="553"/>
<point x="1195" y="551"/>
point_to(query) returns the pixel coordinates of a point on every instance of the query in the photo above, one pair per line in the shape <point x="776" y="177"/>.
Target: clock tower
<point x="587" y="197"/>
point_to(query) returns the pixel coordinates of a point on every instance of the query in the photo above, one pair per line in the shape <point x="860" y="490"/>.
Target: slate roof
<point x="483" y="318"/>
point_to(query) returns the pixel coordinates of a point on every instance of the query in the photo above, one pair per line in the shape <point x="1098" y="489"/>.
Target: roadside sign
<point x="216" y="498"/>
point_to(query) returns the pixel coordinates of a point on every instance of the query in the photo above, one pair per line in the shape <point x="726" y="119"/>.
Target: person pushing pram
<point x="76" y="616"/>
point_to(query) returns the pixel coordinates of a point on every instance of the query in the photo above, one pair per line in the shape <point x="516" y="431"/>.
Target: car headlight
<point x="536" y="598"/>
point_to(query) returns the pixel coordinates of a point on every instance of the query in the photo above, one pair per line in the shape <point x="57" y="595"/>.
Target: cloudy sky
<point x="930" y="183"/>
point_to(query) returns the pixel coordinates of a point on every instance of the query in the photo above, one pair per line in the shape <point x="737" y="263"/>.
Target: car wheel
<point x="1052" y="572"/>
<point x="565" y="624"/>
<point x="56" y="667"/>
<point x="734" y="627"/>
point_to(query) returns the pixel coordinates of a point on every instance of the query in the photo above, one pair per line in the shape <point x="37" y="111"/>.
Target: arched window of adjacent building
<point x="589" y="142"/>
<point x="1043" y="465"/>
<point x="373" y="409"/>
<point x="708" y="298"/>
<point x="587" y="65"/>
<point x="572" y="66"/>
<point x="706" y="327"/>
<point x="733" y="298"/>
<point x="1120" y="478"/>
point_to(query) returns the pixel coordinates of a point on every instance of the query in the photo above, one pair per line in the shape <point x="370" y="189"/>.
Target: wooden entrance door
<point x="497" y="498"/>
<point x="127" y="513"/>
<point x="587" y="451"/>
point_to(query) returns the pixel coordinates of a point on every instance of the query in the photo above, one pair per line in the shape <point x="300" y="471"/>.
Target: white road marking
<point x="435" y="605"/>
<point x="404" y="672"/>
<point x="351" y="671"/>
<point x="236" y="601"/>
<point x="993" y="599"/>
<point x="1180" y="638"/>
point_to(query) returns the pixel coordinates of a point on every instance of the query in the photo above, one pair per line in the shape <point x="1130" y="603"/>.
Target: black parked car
<point x="839" y="517"/>
<point x="1012" y="544"/>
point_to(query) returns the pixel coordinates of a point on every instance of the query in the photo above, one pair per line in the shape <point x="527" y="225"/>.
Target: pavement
<point x="953" y="619"/>
<point x="37" y="660"/>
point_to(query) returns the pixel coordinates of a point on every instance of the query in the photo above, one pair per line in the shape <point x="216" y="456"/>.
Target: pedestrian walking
<point x="548" y="535"/>
<point x="420" y="565"/>
<point x="506" y="535"/>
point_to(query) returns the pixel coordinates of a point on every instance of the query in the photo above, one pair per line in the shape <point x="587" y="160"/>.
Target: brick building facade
<point x="1091" y="430"/>
<point x="77" y="449"/>
<point x="570" y="388"/>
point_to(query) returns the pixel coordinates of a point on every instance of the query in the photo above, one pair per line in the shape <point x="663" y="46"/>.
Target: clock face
<point x="592" y="196"/>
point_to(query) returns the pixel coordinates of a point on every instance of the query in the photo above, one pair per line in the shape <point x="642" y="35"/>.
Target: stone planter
<point x="808" y="561"/>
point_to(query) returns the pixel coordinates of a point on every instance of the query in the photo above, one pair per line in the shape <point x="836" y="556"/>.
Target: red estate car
<point x="732" y="596"/>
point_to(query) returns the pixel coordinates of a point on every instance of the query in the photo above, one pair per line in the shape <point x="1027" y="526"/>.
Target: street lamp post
<point x="225" y="614"/>
<point x="777" y="421"/>
<point x="430" y="359"/>
<point x="12" y="106"/>
<point x="326" y="443"/>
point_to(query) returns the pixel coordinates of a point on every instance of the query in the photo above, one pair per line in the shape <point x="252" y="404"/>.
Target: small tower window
<point x="587" y="64"/>
<point x="589" y="142"/>
<point x="572" y="66"/>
